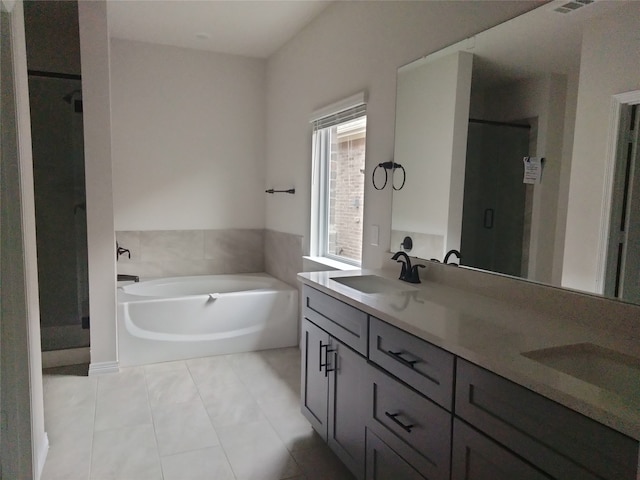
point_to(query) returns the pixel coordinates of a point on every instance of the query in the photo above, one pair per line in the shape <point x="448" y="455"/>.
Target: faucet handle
<point x="403" y="272"/>
<point x="413" y="276"/>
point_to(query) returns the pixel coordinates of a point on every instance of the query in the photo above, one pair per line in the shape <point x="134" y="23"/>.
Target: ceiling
<point x="253" y="28"/>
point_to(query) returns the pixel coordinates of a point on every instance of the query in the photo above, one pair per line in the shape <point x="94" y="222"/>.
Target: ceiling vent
<point x="573" y="6"/>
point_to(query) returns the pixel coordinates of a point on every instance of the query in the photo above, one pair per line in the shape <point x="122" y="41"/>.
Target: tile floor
<point x="216" y="418"/>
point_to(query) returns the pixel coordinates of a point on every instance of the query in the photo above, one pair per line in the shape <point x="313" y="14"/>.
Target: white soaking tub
<point x="185" y="317"/>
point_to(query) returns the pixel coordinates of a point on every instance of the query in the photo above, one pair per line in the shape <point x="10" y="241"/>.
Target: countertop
<point x="494" y="334"/>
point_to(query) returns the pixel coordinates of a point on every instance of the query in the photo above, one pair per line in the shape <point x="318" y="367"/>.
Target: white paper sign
<point x="533" y="169"/>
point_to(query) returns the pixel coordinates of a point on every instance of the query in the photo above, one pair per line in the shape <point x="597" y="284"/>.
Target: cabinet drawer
<point x="413" y="426"/>
<point x="347" y="324"/>
<point x="421" y="365"/>
<point x="476" y="457"/>
<point x="562" y="442"/>
<point x="384" y="464"/>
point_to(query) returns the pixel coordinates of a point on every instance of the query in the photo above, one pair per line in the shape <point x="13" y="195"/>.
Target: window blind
<point x="347" y="109"/>
<point x="340" y="117"/>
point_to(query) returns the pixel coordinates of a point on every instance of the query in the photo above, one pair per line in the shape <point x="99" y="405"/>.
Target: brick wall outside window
<point x="346" y="195"/>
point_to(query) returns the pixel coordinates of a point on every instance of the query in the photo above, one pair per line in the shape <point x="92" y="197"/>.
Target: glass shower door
<point x="61" y="228"/>
<point x="494" y="216"/>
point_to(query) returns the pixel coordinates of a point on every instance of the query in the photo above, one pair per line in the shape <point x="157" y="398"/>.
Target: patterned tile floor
<point x="216" y="418"/>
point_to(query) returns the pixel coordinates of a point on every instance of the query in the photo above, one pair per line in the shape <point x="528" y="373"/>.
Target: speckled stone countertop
<point x="494" y="334"/>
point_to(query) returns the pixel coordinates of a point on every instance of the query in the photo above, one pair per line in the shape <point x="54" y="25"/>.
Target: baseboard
<point x="101" y="368"/>
<point x="42" y="456"/>
<point x="69" y="356"/>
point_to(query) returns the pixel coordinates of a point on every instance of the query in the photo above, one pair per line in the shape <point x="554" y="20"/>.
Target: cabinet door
<point x="476" y="457"/>
<point x="385" y="464"/>
<point x="347" y="406"/>
<point x="314" y="391"/>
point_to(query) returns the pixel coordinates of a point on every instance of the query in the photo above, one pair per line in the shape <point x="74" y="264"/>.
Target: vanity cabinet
<point x="476" y="457"/>
<point x="425" y="367"/>
<point x="555" y="439"/>
<point x="393" y="406"/>
<point x="334" y="375"/>
<point x="383" y="463"/>
<point x="410" y="402"/>
<point x="413" y="427"/>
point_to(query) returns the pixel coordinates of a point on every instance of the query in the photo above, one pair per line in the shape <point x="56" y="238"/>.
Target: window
<point x="339" y="139"/>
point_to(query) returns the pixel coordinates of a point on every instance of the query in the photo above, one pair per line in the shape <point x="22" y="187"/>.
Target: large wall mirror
<point x="559" y="83"/>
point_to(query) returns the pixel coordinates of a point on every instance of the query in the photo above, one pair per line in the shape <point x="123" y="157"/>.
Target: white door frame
<point x="24" y="441"/>
<point x="617" y="102"/>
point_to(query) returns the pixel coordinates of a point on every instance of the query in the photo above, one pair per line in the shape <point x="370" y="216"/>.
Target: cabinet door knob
<point x="392" y="416"/>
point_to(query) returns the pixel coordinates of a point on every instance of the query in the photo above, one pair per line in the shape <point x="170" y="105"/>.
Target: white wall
<point x="101" y="240"/>
<point x="431" y="139"/>
<point x="603" y="72"/>
<point x="350" y="47"/>
<point x="187" y="138"/>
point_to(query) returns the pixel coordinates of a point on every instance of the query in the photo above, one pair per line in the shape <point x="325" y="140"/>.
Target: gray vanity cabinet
<point x="412" y="426"/>
<point x="476" y="457"/>
<point x="428" y="415"/>
<point x="334" y="375"/>
<point x="427" y="368"/>
<point x="563" y="444"/>
<point x="347" y="408"/>
<point x="315" y="385"/>
<point x="406" y="416"/>
<point x="385" y="464"/>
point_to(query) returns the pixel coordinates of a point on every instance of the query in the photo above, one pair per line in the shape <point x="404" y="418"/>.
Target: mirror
<point x="548" y="85"/>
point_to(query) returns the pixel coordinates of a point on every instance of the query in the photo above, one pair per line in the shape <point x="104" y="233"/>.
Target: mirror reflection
<point x="557" y="87"/>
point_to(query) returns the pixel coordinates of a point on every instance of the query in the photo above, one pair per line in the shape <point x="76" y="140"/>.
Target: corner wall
<point x="96" y="93"/>
<point x="350" y="47"/>
<point x="24" y="443"/>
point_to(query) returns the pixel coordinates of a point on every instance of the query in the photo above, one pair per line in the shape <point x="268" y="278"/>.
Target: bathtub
<point x="185" y="317"/>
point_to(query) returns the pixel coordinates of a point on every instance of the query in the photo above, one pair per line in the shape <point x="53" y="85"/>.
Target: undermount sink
<point x="373" y="284"/>
<point x="607" y="369"/>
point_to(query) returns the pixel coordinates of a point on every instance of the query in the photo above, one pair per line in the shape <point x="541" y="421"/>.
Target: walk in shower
<point x="496" y="218"/>
<point x="61" y="222"/>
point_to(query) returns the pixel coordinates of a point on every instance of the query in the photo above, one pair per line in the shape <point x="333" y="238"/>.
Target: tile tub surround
<point x="493" y="333"/>
<point x="162" y="253"/>
<point x="226" y="417"/>
<point x="283" y="255"/>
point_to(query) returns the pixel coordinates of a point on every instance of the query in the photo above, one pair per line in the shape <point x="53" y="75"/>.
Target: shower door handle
<point x="488" y="218"/>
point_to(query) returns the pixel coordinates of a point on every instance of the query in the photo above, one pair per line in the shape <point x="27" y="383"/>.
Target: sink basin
<point x="373" y="284"/>
<point x="607" y="369"/>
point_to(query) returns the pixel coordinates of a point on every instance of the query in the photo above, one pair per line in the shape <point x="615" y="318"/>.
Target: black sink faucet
<point x="449" y="253"/>
<point x="408" y="273"/>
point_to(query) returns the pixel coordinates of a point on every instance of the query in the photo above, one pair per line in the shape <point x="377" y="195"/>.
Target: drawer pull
<point x="392" y="416"/>
<point x="404" y="361"/>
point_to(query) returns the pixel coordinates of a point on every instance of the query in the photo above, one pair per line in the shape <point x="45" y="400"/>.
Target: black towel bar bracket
<point x="291" y="191"/>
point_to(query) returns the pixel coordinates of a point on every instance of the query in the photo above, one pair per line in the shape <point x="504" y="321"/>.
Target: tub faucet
<point x="127" y="278"/>
<point x="408" y="273"/>
<point x="121" y="251"/>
